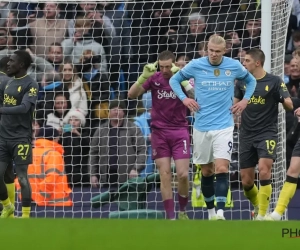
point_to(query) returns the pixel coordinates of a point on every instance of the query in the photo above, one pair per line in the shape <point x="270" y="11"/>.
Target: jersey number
<point x="184" y="147"/>
<point x="271" y="144"/>
<point x="23" y="149"/>
<point x="230" y="146"/>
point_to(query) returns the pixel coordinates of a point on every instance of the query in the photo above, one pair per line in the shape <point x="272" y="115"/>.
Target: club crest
<point x="217" y="72"/>
<point x="228" y="72"/>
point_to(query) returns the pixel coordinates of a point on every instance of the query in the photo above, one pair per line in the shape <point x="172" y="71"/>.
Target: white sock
<point x="220" y="212"/>
<point x="276" y="216"/>
<point x="211" y="213"/>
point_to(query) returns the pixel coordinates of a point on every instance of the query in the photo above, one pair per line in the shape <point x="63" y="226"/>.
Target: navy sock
<point x="208" y="190"/>
<point x="222" y="185"/>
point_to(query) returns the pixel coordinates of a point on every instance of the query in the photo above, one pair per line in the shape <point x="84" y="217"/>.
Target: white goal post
<point x="132" y="33"/>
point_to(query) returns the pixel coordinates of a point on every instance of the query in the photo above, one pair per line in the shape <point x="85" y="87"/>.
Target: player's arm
<point x="238" y="93"/>
<point x="282" y="95"/>
<point x="244" y="75"/>
<point x="188" y="89"/>
<point x="176" y="82"/>
<point x="143" y="83"/>
<point x="29" y="99"/>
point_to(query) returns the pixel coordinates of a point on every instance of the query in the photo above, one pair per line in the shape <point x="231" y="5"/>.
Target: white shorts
<point x="211" y="145"/>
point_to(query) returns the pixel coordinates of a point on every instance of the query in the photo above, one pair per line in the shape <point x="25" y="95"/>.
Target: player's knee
<point x="182" y="176"/>
<point x="264" y="172"/>
<point x="247" y="183"/>
<point x="23" y="181"/>
<point x="207" y="169"/>
<point x="221" y="169"/>
<point x="293" y="171"/>
<point x="165" y="174"/>
<point x="264" y="168"/>
<point x="221" y="166"/>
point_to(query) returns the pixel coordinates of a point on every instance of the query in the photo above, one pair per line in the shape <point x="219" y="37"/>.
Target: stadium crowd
<point x="87" y="55"/>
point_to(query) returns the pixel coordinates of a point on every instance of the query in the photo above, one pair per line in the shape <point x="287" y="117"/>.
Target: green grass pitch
<point x="114" y="234"/>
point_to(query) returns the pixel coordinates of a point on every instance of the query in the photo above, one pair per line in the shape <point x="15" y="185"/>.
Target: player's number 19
<point x="23" y="149"/>
<point x="271" y="144"/>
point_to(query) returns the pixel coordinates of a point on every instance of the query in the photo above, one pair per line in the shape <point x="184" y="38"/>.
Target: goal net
<point x="86" y="55"/>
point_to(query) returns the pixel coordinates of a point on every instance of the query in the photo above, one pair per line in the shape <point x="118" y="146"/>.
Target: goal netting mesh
<point x="85" y="56"/>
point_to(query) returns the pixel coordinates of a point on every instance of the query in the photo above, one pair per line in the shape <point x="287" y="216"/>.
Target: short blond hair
<point x="218" y="40"/>
<point x="296" y="53"/>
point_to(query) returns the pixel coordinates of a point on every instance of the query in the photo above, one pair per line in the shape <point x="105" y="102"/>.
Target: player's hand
<point x="297" y="112"/>
<point x="191" y="104"/>
<point x="174" y="69"/>
<point x="133" y="174"/>
<point x="149" y="69"/>
<point x="238" y="108"/>
<point x="278" y="97"/>
<point x="94" y="182"/>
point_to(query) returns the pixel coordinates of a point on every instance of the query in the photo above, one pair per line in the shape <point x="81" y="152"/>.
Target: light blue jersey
<point x="214" y="90"/>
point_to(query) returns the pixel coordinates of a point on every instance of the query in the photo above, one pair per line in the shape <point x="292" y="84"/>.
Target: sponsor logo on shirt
<point x="216" y="85"/>
<point x="165" y="94"/>
<point x="257" y="100"/>
<point x="9" y="100"/>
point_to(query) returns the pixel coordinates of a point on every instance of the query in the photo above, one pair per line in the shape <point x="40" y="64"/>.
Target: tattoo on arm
<point x="191" y="93"/>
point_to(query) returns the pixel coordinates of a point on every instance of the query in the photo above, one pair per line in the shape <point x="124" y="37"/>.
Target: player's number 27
<point x="23" y="149"/>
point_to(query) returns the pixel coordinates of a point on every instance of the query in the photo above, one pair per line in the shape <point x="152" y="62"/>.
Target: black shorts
<point x="296" y="150"/>
<point x="18" y="151"/>
<point x="254" y="146"/>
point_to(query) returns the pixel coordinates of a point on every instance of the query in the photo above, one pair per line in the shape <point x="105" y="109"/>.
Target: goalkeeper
<point x="259" y="129"/>
<point x="170" y="135"/>
<point x="19" y="99"/>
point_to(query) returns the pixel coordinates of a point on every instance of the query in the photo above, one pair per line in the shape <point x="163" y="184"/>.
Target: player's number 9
<point x="230" y="146"/>
<point x="23" y="149"/>
<point x="271" y="144"/>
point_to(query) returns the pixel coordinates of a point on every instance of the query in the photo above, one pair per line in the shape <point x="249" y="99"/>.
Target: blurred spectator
<point x="102" y="23"/>
<point x="118" y="149"/>
<point x="62" y="105"/>
<point x="143" y="122"/>
<point x="5" y="7"/>
<point x="95" y="84"/>
<point x="48" y="29"/>
<point x="120" y="49"/>
<point x="73" y="84"/>
<point x="251" y="35"/>
<point x="202" y="49"/>
<point x="73" y="48"/>
<point x="221" y="16"/>
<point x="232" y="49"/>
<point x="287" y="66"/>
<point x="48" y="87"/>
<point x="294" y="79"/>
<point x="55" y="55"/>
<point x="47" y="174"/>
<point x="187" y="40"/>
<point x="35" y="131"/>
<point x="182" y="60"/>
<point x="4" y="42"/>
<point x="75" y="141"/>
<point x="18" y="28"/>
<point x="295" y="41"/>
